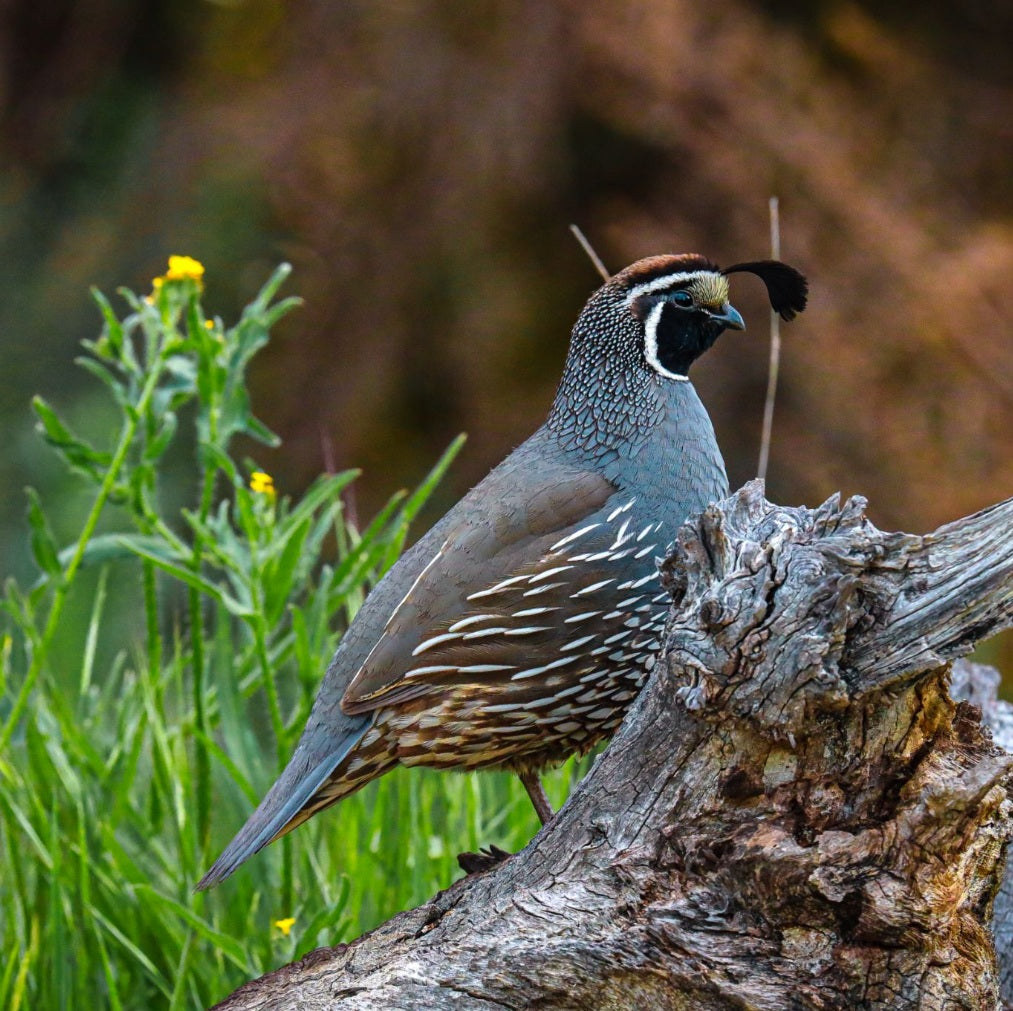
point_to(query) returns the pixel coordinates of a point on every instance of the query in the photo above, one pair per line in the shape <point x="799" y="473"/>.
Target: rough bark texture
<point x="795" y="814"/>
<point x="979" y="684"/>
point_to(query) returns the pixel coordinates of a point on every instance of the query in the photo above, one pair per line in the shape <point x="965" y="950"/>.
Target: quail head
<point x="519" y="629"/>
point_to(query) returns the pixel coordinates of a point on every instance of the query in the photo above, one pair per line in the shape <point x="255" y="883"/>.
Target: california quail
<point x="519" y="629"/>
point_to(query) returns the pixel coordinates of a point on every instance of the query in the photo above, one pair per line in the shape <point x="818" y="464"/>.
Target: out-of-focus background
<point x="419" y="163"/>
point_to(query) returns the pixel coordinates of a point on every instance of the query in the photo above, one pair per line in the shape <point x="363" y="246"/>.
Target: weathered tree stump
<point x="979" y="685"/>
<point x="794" y="814"/>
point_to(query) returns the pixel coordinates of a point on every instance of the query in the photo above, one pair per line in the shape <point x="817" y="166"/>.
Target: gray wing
<point x="458" y="620"/>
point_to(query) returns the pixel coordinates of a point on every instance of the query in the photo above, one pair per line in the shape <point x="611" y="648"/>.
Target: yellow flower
<point x="209" y="324"/>
<point x="184" y="268"/>
<point x="262" y="484"/>
<point x="286" y="925"/>
<point x="181" y="268"/>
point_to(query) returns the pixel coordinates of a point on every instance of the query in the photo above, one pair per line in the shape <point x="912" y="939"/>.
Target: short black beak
<point x="729" y="317"/>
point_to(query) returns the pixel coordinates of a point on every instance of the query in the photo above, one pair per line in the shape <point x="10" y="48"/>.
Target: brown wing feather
<point x="510" y="538"/>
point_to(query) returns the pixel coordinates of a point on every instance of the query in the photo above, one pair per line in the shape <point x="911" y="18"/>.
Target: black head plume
<point x="787" y="289"/>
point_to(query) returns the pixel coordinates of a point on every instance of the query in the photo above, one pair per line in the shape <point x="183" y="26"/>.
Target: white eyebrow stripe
<point x="666" y="281"/>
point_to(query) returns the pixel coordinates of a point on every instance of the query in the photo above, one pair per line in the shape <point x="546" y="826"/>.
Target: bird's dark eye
<point x="683" y="298"/>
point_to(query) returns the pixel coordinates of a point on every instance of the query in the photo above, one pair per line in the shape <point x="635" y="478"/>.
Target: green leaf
<point x="136" y="954"/>
<point x="26" y="824"/>
<point x="372" y="543"/>
<point x="304" y="660"/>
<point x="102" y="373"/>
<point x="325" y="488"/>
<point x="179" y="386"/>
<point x="113" y="329"/>
<point x="196" y="331"/>
<point x="105" y="548"/>
<point x="219" y="542"/>
<point x="43" y="542"/>
<point x="74" y="450"/>
<point x="280" y="309"/>
<point x="420" y="496"/>
<point x="249" y="521"/>
<point x="418" y="499"/>
<point x="91" y="640"/>
<point x="157" y="446"/>
<point x="189" y="577"/>
<point x="271" y="286"/>
<point x="256" y="429"/>
<point x="209" y="454"/>
<point x="235" y="413"/>
<point x="277" y="579"/>
<point x="21" y="607"/>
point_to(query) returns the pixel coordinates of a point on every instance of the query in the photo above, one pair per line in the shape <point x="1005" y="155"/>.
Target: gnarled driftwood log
<point x="793" y="815"/>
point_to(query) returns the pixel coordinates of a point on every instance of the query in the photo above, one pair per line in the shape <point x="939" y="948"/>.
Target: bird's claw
<point x="484" y="860"/>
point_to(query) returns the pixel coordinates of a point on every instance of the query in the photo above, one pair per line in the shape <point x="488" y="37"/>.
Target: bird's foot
<point x="484" y="860"/>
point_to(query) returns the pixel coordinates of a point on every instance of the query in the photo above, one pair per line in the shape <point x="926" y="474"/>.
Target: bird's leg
<point x="533" y="784"/>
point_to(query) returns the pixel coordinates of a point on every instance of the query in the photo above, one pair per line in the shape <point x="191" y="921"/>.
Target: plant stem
<point x="60" y="594"/>
<point x="151" y="617"/>
<point x="202" y="759"/>
<point x="270" y="688"/>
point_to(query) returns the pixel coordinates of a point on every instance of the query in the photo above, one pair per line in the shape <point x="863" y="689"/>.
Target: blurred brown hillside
<point x="419" y="163"/>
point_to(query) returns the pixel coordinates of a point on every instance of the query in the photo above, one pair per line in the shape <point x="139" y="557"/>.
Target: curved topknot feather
<point x="787" y="289"/>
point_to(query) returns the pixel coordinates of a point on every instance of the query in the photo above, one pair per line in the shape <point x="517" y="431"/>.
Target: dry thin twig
<point x="775" y="351"/>
<point x="589" y="249"/>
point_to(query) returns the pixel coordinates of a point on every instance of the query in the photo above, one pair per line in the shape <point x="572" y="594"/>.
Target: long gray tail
<point x="302" y="778"/>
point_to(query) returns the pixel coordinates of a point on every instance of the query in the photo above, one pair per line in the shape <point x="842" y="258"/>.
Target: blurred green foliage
<point x="120" y="778"/>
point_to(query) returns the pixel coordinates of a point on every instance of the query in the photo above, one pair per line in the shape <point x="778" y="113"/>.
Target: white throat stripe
<point x="651" y="344"/>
